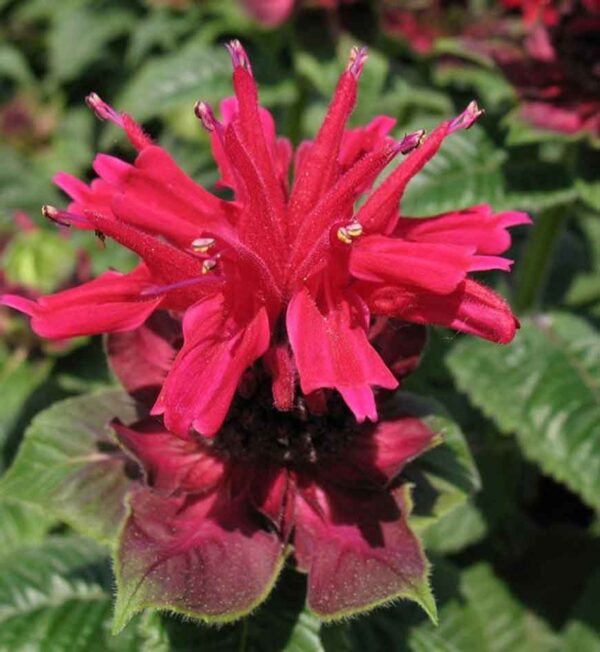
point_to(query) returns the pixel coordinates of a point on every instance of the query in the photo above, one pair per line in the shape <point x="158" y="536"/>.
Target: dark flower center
<point x="255" y="429"/>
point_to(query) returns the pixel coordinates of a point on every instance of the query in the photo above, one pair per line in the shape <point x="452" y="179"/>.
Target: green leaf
<point x="69" y="464"/>
<point x="477" y="613"/>
<point x="23" y="185"/>
<point x="461" y="527"/>
<point x="22" y="525"/>
<point x="57" y="596"/>
<point x="466" y="171"/>
<point x="41" y="260"/>
<point x="19" y="379"/>
<point x="196" y="71"/>
<point x="13" y="65"/>
<point x="582" y="631"/>
<point x="445" y="476"/>
<point x="545" y="388"/>
<point x="80" y="35"/>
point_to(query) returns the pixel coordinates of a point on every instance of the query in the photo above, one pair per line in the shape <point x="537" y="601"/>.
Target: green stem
<point x="244" y="635"/>
<point x="538" y="256"/>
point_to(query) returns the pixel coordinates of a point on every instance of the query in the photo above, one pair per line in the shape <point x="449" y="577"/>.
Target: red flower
<point x="212" y="521"/>
<point x="290" y="276"/>
<point x="556" y="68"/>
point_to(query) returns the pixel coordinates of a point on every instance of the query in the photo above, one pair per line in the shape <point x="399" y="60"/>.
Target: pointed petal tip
<point x="467" y="118"/>
<point x="239" y="57"/>
<point x="26" y="306"/>
<point x="356" y="63"/>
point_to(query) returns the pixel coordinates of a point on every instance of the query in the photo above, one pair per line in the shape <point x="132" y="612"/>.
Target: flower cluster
<point x="267" y="332"/>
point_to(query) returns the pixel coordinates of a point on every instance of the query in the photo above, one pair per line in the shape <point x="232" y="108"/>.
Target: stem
<point x="244" y="636"/>
<point x="538" y="257"/>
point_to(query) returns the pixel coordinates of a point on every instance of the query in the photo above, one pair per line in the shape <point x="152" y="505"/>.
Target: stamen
<point x="103" y="110"/>
<point x="239" y="57"/>
<point x="343" y="235"/>
<point x="202" y="245"/>
<point x="347" y="233"/>
<point x="162" y="289"/>
<point x="208" y="265"/>
<point x="205" y="114"/>
<point x="411" y="141"/>
<point x="358" y="57"/>
<point x="354" y="230"/>
<point x="64" y="218"/>
<point x="466" y="118"/>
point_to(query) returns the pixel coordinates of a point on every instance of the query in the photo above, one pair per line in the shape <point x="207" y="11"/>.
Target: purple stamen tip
<point x="205" y="114"/>
<point x="63" y="218"/>
<point x="358" y="57"/>
<point x="411" y="141"/>
<point x="466" y="118"/>
<point x="238" y="55"/>
<point x="103" y="110"/>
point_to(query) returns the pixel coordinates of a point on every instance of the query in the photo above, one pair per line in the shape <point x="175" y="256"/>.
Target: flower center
<point x="255" y="429"/>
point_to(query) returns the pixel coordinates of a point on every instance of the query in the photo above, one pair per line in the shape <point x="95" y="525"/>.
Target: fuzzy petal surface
<point x="358" y="552"/>
<point x="206" y="557"/>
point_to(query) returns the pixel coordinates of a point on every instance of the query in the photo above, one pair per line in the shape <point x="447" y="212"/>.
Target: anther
<point x="466" y="118"/>
<point x="208" y="265"/>
<point x="347" y="233"/>
<point x="238" y="55"/>
<point x="411" y="141"/>
<point x="358" y="57"/>
<point x="63" y="218"/>
<point x="205" y="114"/>
<point x="354" y="230"/>
<point x="202" y="245"/>
<point x="103" y="110"/>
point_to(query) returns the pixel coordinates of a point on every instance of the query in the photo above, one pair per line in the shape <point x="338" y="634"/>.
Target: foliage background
<point x="515" y="547"/>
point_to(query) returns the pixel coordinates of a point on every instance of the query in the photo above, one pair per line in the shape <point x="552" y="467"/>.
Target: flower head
<point x="290" y="276"/>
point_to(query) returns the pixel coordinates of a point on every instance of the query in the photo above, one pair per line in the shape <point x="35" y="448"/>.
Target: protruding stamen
<point x="466" y="118"/>
<point x="202" y="245"/>
<point x="358" y="57"/>
<point x="205" y="114"/>
<point x="103" y="110"/>
<point x="411" y="141"/>
<point x="347" y="233"/>
<point x="239" y="57"/>
<point x="208" y="265"/>
<point x="354" y="230"/>
<point x="63" y="218"/>
<point x="163" y="289"/>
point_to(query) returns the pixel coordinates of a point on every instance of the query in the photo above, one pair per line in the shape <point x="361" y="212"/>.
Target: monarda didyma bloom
<point x="264" y="333"/>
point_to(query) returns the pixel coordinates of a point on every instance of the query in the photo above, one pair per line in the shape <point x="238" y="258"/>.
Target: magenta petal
<point x="331" y="350"/>
<point x="218" y="348"/>
<point x="359" y="552"/>
<point x="172" y="465"/>
<point x="112" y="302"/>
<point x="379" y="452"/>
<point x="207" y="558"/>
<point x="141" y="358"/>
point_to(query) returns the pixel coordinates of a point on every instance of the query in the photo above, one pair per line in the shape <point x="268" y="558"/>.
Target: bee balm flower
<point x="289" y="276"/>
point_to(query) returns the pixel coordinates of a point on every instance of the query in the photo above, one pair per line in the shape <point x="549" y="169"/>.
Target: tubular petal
<point x="331" y="350"/>
<point x="218" y="347"/>
<point x="107" y="304"/>
<point x="471" y="308"/>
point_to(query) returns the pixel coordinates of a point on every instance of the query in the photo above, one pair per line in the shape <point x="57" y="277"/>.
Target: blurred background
<point x="517" y="564"/>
